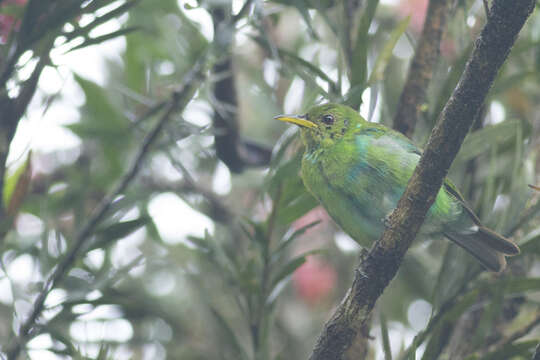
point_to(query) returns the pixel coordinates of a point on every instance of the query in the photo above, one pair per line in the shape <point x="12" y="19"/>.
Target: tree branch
<point x="420" y="73"/>
<point x="382" y="262"/>
<point x="180" y="98"/>
<point x="237" y="153"/>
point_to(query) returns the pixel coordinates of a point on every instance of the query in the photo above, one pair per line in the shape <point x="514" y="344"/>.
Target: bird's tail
<point x="486" y="246"/>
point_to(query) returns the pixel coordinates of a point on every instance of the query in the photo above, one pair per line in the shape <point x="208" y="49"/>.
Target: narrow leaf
<point x="229" y="335"/>
<point x="118" y="230"/>
<point x="293" y="236"/>
<point x="480" y="141"/>
<point x="359" y="61"/>
<point x="288" y="269"/>
<point x="385" y="338"/>
<point x="291" y="266"/>
<point x="103" y="38"/>
<point x="16" y="186"/>
<point x="522" y="349"/>
<point x="386" y="53"/>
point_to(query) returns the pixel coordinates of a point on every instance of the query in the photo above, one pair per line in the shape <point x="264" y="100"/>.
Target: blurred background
<point x="214" y="249"/>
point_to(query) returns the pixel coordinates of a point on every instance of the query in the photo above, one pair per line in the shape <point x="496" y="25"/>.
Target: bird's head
<point x="323" y="125"/>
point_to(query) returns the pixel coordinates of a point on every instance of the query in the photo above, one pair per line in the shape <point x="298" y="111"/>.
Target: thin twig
<point x="219" y="212"/>
<point x="376" y="271"/>
<point x="178" y="101"/>
<point x="413" y="96"/>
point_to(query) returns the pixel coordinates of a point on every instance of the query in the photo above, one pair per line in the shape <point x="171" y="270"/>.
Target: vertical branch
<point x="420" y="73"/>
<point x="381" y="264"/>
<point x="224" y="92"/>
<point x="235" y="152"/>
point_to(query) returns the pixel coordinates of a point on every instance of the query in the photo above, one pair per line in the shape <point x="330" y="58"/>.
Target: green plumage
<point x="359" y="170"/>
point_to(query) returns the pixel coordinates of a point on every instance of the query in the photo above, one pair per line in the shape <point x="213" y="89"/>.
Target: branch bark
<point x="180" y="98"/>
<point x="427" y="53"/>
<point x="382" y="262"/>
<point x="237" y="153"/>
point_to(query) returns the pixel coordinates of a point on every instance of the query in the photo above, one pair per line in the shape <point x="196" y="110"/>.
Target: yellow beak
<point x="298" y="120"/>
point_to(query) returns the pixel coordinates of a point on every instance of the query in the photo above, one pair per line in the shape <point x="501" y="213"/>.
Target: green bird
<point x="358" y="171"/>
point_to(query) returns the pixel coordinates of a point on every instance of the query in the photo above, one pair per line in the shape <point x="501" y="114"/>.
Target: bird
<point x="358" y="171"/>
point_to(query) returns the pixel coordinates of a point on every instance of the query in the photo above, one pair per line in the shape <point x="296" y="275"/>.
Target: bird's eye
<point x="328" y="119"/>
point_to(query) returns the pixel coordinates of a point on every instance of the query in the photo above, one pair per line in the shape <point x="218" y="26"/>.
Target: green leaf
<point x="283" y="143"/>
<point x="103" y="38"/>
<point x="293" y="59"/>
<point x="386" y="52"/>
<point x="305" y="70"/>
<point x="201" y="244"/>
<point x="454" y="274"/>
<point x="288" y="269"/>
<point x="447" y="319"/>
<point x="291" y="266"/>
<point x="524" y="349"/>
<point x="298" y="207"/>
<point x="81" y="31"/>
<point x="303" y="6"/>
<point x="359" y="61"/>
<point x="516" y="285"/>
<point x="508" y="82"/>
<point x="285" y="243"/>
<point x="288" y="189"/>
<point x="385" y="338"/>
<point x="480" y="141"/>
<point x="485" y="326"/>
<point x="258" y="235"/>
<point x="531" y="242"/>
<point x="16" y="186"/>
<point x="353" y="97"/>
<point x="230" y="337"/>
<point x="449" y="83"/>
<point x="118" y="230"/>
<point x="98" y="114"/>
<point x="288" y="172"/>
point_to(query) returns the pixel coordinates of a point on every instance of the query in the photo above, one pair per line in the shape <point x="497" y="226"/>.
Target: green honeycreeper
<point x="358" y="171"/>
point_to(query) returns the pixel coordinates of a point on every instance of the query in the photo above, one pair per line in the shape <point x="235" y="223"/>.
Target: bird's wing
<point x="391" y="158"/>
<point x="376" y="131"/>
<point x="452" y="190"/>
<point x="448" y="185"/>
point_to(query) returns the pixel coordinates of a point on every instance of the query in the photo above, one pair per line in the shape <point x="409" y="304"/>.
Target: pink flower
<point x="314" y="280"/>
<point x="9" y="22"/>
<point x="416" y="9"/>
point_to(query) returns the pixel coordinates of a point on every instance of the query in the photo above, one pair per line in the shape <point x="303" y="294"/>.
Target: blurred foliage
<point x="136" y="291"/>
